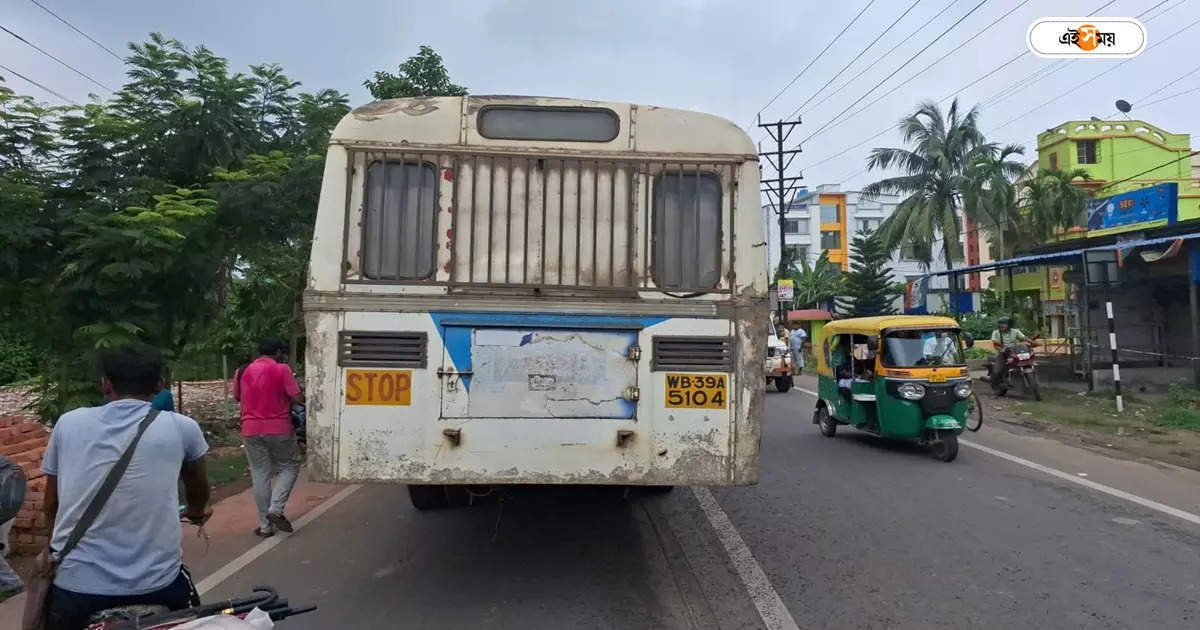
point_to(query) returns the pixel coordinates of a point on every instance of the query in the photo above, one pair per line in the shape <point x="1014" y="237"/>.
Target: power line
<point x="1167" y="10"/>
<point x="815" y="59"/>
<point x="1085" y="83"/>
<point x="1149" y="170"/>
<point x="1012" y="60"/>
<point x="60" y="61"/>
<point x="1167" y="98"/>
<point x="72" y="26"/>
<point x="969" y="40"/>
<point x="1045" y="71"/>
<point x="894" y="71"/>
<point x="880" y="58"/>
<point x="1165" y="86"/>
<point x="31" y="81"/>
<point x="858" y="56"/>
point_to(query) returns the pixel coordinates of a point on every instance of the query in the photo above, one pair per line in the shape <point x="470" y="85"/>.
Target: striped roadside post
<point x="1112" y="344"/>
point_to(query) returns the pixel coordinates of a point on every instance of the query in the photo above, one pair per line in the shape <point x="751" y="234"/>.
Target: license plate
<point x="1022" y="356"/>
<point x="697" y="391"/>
<point x="937" y="378"/>
<point x="379" y="387"/>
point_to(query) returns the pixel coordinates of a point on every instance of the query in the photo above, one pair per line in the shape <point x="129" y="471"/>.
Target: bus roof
<point x="431" y="123"/>
<point x="874" y="325"/>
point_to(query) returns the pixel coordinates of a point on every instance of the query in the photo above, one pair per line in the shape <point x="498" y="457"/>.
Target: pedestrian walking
<point x="267" y="390"/>
<point x="12" y="496"/>
<point x="799" y="336"/>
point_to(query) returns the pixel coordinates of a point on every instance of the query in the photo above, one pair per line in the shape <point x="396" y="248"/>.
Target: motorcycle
<point x="1019" y="367"/>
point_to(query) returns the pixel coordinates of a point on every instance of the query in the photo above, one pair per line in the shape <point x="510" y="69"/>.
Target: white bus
<point x="521" y="290"/>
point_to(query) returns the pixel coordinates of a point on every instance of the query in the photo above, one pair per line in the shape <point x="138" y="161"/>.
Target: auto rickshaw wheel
<point x="783" y="383"/>
<point x="946" y="447"/>
<point x="826" y="422"/>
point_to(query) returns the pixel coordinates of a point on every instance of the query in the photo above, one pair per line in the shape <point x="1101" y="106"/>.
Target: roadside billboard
<point x="1154" y="206"/>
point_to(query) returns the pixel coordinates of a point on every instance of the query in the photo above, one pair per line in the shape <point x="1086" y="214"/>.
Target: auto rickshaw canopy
<point x="880" y="323"/>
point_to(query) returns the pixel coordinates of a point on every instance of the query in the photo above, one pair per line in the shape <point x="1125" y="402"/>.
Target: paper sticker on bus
<point x="379" y="387"/>
<point x="696" y="391"/>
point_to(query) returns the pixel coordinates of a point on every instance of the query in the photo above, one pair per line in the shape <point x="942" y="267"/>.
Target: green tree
<point x="423" y="74"/>
<point x="990" y="198"/>
<point x="934" y="176"/>
<point x="1050" y="203"/>
<point x="868" y="289"/>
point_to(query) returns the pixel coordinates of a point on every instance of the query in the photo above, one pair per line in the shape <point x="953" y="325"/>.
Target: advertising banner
<point x="1154" y="206"/>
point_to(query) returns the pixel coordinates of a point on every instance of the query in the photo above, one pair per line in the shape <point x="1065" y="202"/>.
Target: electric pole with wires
<point x="780" y="188"/>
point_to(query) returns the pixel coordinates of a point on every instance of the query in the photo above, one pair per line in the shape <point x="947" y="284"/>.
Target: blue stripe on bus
<point x="455" y="328"/>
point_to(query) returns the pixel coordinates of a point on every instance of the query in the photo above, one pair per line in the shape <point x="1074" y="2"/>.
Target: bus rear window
<point x="687" y="231"/>
<point x="398" y="230"/>
<point x="564" y="124"/>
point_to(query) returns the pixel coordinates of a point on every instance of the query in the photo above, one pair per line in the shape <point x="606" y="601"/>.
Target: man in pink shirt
<point x="267" y="389"/>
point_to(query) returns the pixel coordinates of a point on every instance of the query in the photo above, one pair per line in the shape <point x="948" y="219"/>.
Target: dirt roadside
<point x="1090" y="420"/>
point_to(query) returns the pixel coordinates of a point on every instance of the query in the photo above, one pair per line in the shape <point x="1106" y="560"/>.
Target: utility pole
<point x="780" y="188"/>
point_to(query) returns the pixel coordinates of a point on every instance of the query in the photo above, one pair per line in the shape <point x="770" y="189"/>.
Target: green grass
<point x="1183" y="408"/>
<point x="1096" y="411"/>
<point x="1179" y="418"/>
<point x="226" y="469"/>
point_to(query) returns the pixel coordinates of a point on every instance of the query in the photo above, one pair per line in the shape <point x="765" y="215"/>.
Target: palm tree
<point x="934" y="177"/>
<point x="990" y="199"/>
<point x="1052" y="202"/>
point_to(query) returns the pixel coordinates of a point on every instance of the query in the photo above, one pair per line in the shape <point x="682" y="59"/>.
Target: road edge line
<point x="771" y="609"/>
<point x="215" y="578"/>
<point x="1075" y="479"/>
<point x="1088" y="483"/>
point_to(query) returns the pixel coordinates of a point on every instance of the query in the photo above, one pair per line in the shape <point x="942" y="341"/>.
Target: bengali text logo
<point x="1105" y="38"/>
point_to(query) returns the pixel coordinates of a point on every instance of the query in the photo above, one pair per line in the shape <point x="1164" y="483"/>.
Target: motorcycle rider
<point x="1003" y="337"/>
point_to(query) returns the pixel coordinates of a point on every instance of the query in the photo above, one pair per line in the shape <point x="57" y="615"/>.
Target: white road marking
<point x="1088" y="483"/>
<point x="770" y="607"/>
<point x="1080" y="480"/>
<point x="240" y="562"/>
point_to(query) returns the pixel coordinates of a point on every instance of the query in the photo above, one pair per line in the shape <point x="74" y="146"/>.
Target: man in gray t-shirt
<point x="131" y="553"/>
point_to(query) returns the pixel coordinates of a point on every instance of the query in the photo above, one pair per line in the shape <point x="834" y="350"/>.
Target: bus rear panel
<point x="513" y="290"/>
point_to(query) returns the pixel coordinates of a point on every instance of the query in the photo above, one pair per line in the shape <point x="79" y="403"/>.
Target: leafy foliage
<point x="423" y="74"/>
<point x="177" y="212"/>
<point x="124" y="219"/>
<point x="990" y="198"/>
<point x="813" y="285"/>
<point x="868" y="289"/>
<point x="1051" y="202"/>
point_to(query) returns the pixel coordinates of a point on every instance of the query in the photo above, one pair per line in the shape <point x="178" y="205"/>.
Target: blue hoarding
<point x="1153" y="206"/>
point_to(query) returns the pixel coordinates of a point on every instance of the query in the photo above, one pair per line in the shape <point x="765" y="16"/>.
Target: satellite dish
<point x="1123" y="106"/>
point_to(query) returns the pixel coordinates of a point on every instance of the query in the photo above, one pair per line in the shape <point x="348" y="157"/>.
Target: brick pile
<point x="23" y="440"/>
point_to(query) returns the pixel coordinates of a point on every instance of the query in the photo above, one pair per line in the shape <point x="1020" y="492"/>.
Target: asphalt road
<point x="849" y="532"/>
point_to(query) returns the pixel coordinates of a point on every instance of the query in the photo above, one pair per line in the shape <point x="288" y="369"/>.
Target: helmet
<point x="1002" y="320"/>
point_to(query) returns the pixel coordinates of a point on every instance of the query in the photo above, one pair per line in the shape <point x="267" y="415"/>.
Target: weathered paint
<point x="466" y="424"/>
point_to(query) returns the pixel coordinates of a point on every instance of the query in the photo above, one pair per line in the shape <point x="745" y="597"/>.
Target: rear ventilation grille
<point x="382" y="349"/>
<point x="693" y="354"/>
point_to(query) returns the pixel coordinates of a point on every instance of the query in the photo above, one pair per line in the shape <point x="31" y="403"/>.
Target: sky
<point x="723" y="57"/>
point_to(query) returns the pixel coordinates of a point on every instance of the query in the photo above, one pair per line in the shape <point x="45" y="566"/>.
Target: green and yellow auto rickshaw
<point x="896" y="376"/>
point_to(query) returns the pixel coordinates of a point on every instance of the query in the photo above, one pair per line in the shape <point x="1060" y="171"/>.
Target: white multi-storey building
<point x="825" y="219"/>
